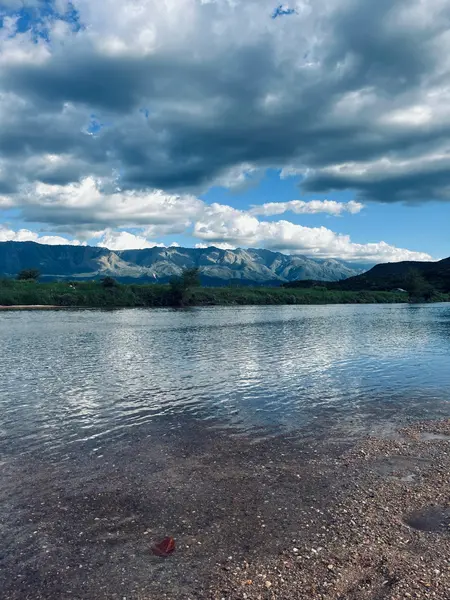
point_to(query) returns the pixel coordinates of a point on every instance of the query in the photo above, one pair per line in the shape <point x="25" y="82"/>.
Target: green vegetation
<point x="418" y="287"/>
<point x="181" y="288"/>
<point x="112" y="294"/>
<point x="28" y="274"/>
<point x="108" y="282"/>
<point x="423" y="281"/>
<point x="414" y="284"/>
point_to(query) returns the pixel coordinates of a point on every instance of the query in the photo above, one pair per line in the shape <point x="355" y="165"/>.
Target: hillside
<point x="395" y="275"/>
<point x="159" y="264"/>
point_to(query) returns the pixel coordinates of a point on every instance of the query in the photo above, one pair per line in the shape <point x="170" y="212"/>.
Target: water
<point x="77" y="380"/>
<point x="119" y="428"/>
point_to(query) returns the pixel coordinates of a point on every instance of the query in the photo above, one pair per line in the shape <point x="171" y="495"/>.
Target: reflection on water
<point x="87" y="378"/>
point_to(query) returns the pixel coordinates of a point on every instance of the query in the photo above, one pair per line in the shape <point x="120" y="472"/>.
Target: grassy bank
<point x="94" y="294"/>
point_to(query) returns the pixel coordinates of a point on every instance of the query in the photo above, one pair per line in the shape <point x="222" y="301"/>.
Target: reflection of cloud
<point x="100" y="374"/>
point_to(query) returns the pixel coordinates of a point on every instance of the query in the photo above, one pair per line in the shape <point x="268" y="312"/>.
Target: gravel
<point x="281" y="518"/>
<point x="387" y="530"/>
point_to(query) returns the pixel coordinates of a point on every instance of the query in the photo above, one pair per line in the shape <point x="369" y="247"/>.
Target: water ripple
<point x="86" y="378"/>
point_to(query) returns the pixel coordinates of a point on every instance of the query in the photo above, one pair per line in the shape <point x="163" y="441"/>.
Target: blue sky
<point x="317" y="128"/>
<point x="421" y="227"/>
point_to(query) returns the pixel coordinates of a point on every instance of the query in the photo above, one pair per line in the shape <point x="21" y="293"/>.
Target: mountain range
<point x="217" y="266"/>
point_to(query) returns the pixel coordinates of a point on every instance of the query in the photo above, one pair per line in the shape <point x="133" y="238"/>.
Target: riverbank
<point x="323" y="518"/>
<point x="29" y="307"/>
<point x="95" y="294"/>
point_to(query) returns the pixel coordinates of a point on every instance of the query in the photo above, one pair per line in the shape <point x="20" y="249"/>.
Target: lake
<point x="98" y="408"/>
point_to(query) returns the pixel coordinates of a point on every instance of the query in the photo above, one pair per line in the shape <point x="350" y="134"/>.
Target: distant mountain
<point x="393" y="275"/>
<point x="159" y="264"/>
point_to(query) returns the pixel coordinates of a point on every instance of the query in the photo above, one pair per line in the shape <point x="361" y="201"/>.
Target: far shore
<point x="30" y="307"/>
<point x="30" y="294"/>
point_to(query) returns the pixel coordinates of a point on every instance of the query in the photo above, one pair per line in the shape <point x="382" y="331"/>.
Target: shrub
<point x="27" y="274"/>
<point x="109" y="282"/>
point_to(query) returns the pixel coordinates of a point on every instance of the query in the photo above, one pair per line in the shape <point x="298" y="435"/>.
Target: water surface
<point x="76" y="380"/>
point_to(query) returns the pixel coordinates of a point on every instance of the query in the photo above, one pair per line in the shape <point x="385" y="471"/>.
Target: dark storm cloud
<point x="413" y="186"/>
<point x="180" y="117"/>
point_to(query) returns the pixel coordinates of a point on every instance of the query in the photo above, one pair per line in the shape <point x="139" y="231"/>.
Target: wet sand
<point x="287" y="517"/>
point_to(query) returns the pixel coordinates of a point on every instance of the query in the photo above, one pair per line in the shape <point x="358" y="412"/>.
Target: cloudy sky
<point x="318" y="127"/>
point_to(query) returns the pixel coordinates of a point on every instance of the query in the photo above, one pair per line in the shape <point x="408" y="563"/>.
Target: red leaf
<point x="165" y="547"/>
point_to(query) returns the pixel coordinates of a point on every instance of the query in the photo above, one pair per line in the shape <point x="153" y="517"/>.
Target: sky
<point x="318" y="127"/>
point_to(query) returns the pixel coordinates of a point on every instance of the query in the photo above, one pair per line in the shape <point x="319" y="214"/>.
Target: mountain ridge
<point x="395" y="275"/>
<point x="247" y="266"/>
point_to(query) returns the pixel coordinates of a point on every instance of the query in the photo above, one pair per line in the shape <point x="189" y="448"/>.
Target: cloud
<point x="17" y="4"/>
<point x="300" y="207"/>
<point x="409" y="180"/>
<point x="218" y="225"/>
<point x="97" y="212"/>
<point x="123" y="240"/>
<point x="116" y="115"/>
<point x="190" y="90"/>
<point x="93" y="204"/>
<point x="113" y="240"/>
<point x="224" y="226"/>
<point x="25" y="235"/>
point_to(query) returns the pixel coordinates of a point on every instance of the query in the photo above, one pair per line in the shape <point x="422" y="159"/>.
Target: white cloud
<point x="123" y="240"/>
<point x="300" y="207"/>
<point x="81" y="207"/>
<point x="94" y="202"/>
<point x="225" y="226"/>
<point x="25" y="235"/>
<point x="240" y="177"/>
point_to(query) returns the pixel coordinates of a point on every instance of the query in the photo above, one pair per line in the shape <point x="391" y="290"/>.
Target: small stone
<point x="330" y="567"/>
<point x="268" y="584"/>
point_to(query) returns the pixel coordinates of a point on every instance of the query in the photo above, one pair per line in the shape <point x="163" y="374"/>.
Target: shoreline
<point x="313" y="519"/>
<point x="31" y="307"/>
<point x="37" y="307"/>
<point x="94" y="294"/>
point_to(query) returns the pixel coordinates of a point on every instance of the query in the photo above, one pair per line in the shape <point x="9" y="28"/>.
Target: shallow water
<point x="114" y="429"/>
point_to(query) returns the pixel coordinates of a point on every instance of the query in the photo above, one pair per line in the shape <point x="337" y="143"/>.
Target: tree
<point x="109" y="282"/>
<point x="180" y="287"/>
<point x="191" y="278"/>
<point x="417" y="286"/>
<point x="29" y="274"/>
